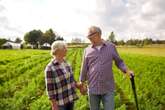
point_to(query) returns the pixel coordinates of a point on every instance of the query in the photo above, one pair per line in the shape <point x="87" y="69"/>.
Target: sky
<point x="129" y="19"/>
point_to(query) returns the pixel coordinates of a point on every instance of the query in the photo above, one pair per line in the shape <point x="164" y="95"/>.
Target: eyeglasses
<point x="90" y="35"/>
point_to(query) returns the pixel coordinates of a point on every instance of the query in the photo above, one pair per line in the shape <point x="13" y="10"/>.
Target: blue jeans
<point x="106" y="99"/>
<point x="68" y="106"/>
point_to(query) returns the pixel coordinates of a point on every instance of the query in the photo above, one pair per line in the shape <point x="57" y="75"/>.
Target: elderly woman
<point x="60" y="83"/>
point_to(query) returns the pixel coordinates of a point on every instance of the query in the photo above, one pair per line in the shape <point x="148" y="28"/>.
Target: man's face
<point x="93" y="36"/>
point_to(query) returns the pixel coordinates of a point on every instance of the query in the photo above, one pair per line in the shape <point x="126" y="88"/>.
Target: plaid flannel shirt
<point x="60" y="83"/>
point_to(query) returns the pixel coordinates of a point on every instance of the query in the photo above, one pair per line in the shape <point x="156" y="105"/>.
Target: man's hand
<point x="130" y="73"/>
<point x="82" y="87"/>
<point x="78" y="85"/>
<point x="54" y="105"/>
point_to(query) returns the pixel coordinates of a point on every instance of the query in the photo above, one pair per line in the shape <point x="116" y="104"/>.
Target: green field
<point x="22" y="83"/>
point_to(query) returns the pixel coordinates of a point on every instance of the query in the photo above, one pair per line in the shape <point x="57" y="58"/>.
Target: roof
<point x="11" y="43"/>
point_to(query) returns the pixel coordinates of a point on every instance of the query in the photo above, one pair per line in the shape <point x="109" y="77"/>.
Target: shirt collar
<point x="104" y="43"/>
<point x="55" y="61"/>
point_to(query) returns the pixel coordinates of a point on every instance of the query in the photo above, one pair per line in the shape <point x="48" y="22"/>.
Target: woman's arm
<point x="50" y="87"/>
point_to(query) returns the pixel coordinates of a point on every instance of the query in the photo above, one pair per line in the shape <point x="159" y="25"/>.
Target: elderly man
<point x="97" y="70"/>
<point x="60" y="83"/>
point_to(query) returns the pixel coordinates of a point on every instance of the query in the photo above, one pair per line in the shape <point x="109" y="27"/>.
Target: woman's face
<point x="62" y="52"/>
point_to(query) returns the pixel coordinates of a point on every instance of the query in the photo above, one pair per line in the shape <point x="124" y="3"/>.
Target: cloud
<point x="8" y="31"/>
<point x="154" y="12"/>
<point x="127" y="18"/>
<point x="2" y="8"/>
<point x="137" y="19"/>
<point x="3" y="20"/>
<point x="6" y="28"/>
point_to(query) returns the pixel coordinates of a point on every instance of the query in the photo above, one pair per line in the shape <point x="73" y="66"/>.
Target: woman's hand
<point x="78" y="85"/>
<point x="82" y="87"/>
<point x="54" y="105"/>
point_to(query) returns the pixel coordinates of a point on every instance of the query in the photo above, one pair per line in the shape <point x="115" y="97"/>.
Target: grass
<point x="25" y="89"/>
<point x="150" y="51"/>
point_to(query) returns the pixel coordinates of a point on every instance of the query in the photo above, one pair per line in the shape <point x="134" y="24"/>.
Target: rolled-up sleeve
<point x="118" y="61"/>
<point x="84" y="68"/>
<point x="50" y="83"/>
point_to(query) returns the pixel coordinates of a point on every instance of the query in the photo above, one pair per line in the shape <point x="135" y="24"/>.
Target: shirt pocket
<point x="106" y="59"/>
<point x="92" y="59"/>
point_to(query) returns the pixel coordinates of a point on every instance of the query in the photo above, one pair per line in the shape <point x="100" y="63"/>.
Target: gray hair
<point x="95" y="29"/>
<point x="56" y="45"/>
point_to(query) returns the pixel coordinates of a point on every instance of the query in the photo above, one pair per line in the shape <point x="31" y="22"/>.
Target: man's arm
<point x="84" y="68"/>
<point x="120" y="63"/>
<point x="83" y="75"/>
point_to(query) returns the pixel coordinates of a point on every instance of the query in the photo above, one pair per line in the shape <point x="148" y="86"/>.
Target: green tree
<point x="111" y="37"/>
<point x="59" y="38"/>
<point x="33" y="37"/>
<point x="18" y="40"/>
<point x="76" y="40"/>
<point x="2" y="41"/>
<point x="130" y="42"/>
<point x="48" y="37"/>
<point x="121" y="42"/>
<point x="147" y="41"/>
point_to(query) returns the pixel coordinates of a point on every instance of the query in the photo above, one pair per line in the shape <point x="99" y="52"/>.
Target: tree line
<point x="37" y="38"/>
<point x="137" y="42"/>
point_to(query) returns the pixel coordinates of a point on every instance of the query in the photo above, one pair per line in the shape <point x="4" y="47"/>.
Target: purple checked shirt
<point x="97" y="68"/>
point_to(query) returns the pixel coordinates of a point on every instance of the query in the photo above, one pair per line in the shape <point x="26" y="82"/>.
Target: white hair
<point x="96" y="29"/>
<point x="56" y="45"/>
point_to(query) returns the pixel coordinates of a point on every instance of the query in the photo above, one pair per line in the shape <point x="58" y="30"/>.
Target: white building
<point x="11" y="45"/>
<point x="46" y="45"/>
